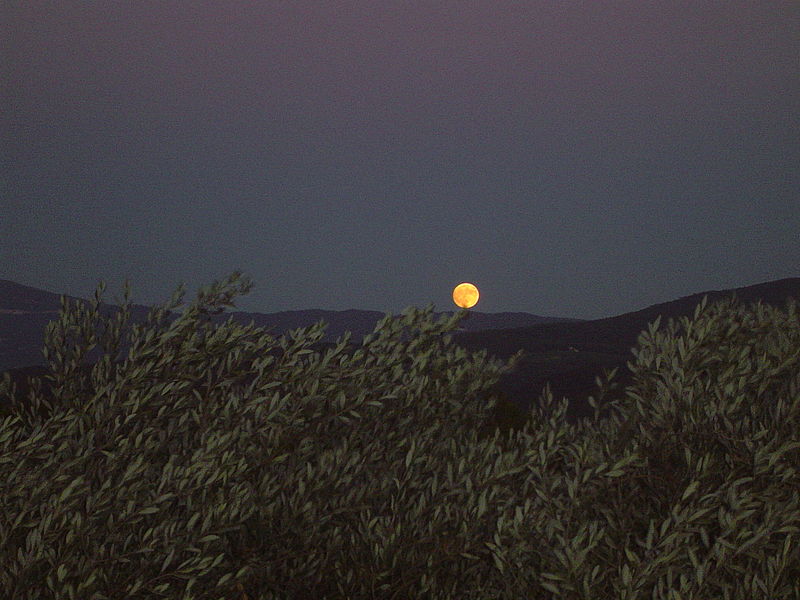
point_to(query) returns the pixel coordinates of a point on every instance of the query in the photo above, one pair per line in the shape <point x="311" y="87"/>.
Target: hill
<point x="25" y="312"/>
<point x="569" y="356"/>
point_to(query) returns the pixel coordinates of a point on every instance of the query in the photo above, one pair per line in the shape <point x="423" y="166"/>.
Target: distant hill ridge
<point x="620" y="332"/>
<point x="566" y="354"/>
<point x="25" y="312"/>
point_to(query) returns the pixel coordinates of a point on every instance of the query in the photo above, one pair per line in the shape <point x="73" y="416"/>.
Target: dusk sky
<point x="572" y="159"/>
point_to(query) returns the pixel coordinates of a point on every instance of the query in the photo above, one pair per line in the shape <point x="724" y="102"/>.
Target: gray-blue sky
<point x="571" y="159"/>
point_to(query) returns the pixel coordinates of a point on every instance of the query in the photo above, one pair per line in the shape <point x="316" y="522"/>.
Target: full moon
<point x="465" y="295"/>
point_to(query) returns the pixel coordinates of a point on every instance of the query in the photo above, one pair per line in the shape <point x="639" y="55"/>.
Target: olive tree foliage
<point x="714" y="409"/>
<point x="212" y="456"/>
<point x="224" y="462"/>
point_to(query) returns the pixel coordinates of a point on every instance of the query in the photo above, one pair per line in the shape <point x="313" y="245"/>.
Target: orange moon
<point x="465" y="295"/>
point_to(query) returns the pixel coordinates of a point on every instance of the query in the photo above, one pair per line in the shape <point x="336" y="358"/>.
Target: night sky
<point x="571" y="159"/>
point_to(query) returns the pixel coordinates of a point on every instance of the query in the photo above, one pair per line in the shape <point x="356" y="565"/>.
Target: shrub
<point x="224" y="462"/>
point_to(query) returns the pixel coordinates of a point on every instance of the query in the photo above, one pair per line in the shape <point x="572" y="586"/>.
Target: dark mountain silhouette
<point x="569" y="356"/>
<point x="25" y="312"/>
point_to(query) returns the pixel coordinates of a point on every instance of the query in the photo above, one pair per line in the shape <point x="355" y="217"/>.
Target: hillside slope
<point x="569" y="356"/>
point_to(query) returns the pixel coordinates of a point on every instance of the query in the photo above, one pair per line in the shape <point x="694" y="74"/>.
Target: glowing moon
<point x="465" y="295"/>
